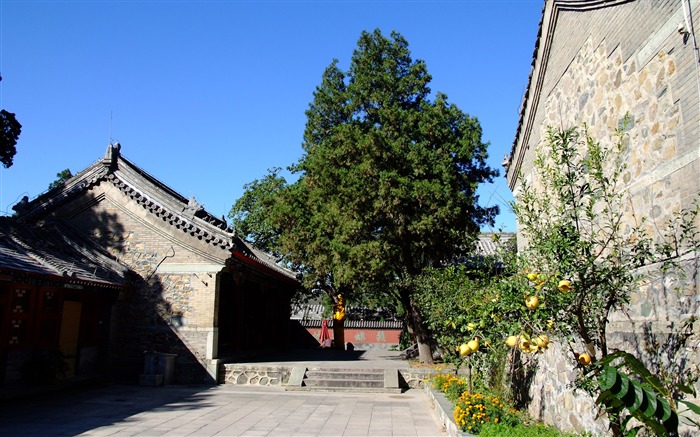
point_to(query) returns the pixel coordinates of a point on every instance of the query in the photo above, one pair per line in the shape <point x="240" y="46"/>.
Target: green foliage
<point x="521" y="430"/>
<point x="574" y="214"/>
<point x="456" y="303"/>
<point x="474" y="409"/>
<point x="62" y="177"/>
<point x="575" y="219"/>
<point x="10" y="129"/>
<point x="584" y="255"/>
<point x="251" y="213"/>
<point x="451" y="385"/>
<point x="388" y="180"/>
<point x="387" y="183"/>
<point x="638" y="393"/>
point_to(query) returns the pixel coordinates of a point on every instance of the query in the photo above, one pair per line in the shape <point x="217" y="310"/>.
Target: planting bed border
<point x="445" y="411"/>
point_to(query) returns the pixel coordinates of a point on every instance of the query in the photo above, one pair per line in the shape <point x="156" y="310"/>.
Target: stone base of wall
<point x="255" y="375"/>
<point x="240" y="374"/>
<point x="419" y="377"/>
<point x="553" y="400"/>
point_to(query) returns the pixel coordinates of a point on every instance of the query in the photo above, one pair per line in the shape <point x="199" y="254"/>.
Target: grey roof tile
<point x="53" y="249"/>
<point x="159" y="199"/>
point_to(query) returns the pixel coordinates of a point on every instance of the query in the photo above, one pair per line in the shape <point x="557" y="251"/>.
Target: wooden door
<point x="70" y="329"/>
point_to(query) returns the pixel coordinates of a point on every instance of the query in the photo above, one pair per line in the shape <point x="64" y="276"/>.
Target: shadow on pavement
<point x="78" y="410"/>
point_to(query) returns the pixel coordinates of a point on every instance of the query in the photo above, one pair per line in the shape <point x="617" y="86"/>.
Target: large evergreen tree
<point x="387" y="183"/>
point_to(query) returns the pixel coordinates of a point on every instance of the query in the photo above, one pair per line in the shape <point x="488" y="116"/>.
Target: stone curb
<point x="445" y="411"/>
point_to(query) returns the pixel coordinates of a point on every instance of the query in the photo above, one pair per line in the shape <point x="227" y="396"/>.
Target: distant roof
<point x="52" y="249"/>
<point x="489" y="243"/>
<point x="159" y="199"/>
<point x="315" y="312"/>
<point x="354" y="324"/>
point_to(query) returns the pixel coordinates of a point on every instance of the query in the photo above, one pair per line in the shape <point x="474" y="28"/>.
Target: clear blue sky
<point x="208" y="95"/>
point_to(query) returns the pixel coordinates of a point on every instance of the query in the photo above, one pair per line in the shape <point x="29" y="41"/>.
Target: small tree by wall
<point x="586" y="254"/>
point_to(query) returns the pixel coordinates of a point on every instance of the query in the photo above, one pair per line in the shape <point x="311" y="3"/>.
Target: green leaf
<point x="633" y="432"/>
<point x="621" y="387"/>
<point x="637" y="398"/>
<point x="663" y="409"/>
<point x="604" y="397"/>
<point x="693" y="407"/>
<point x="610" y="358"/>
<point x="648" y="407"/>
<point x="638" y="368"/>
<point x="671" y="424"/>
<point x="607" y="378"/>
<point x="686" y="389"/>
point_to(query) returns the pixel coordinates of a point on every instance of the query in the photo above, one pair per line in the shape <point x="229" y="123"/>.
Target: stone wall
<point x="238" y="374"/>
<point x="595" y="65"/>
<point x="552" y="399"/>
<point x="171" y="309"/>
<point x="244" y="374"/>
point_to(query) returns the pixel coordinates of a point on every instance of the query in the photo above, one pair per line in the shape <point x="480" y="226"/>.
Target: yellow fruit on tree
<point x="550" y="324"/>
<point x="542" y="341"/>
<point x="532" y="302"/>
<point x="565" y="285"/>
<point x="532" y="276"/>
<point x="524" y="345"/>
<point x="584" y="359"/>
<point x="473" y="345"/>
<point x="464" y="349"/>
<point x="512" y="340"/>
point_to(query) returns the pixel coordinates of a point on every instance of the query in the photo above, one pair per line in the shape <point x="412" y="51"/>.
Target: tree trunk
<point x="416" y="329"/>
<point x="339" y="334"/>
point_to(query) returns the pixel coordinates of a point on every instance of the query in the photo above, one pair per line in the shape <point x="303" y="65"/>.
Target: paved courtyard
<point x="224" y="410"/>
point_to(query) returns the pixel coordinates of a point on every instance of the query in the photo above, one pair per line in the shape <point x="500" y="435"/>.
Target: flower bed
<point x="484" y="414"/>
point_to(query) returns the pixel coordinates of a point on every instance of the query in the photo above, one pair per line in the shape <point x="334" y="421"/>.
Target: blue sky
<point x="208" y="95"/>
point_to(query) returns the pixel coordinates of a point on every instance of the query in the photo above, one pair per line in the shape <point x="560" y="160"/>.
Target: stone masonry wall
<point x="604" y="64"/>
<point x="172" y="309"/>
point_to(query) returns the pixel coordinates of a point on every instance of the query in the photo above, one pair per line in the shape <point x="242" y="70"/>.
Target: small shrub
<point x="451" y="385"/>
<point x="474" y="410"/>
<point x="521" y="430"/>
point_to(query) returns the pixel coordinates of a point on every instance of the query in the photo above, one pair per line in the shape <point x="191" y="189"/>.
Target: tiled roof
<point x="159" y="199"/>
<point x="52" y="249"/>
<point x="315" y="312"/>
<point x="356" y="324"/>
<point x="489" y="243"/>
<point x="540" y="55"/>
<point x="261" y="257"/>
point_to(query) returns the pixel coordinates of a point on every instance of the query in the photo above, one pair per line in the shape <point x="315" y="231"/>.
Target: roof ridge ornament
<point x="192" y="208"/>
<point x="112" y="155"/>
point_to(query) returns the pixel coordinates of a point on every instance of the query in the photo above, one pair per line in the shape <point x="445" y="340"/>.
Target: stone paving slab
<point x="224" y="410"/>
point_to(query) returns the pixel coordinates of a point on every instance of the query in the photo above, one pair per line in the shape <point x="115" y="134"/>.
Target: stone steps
<point x="349" y="380"/>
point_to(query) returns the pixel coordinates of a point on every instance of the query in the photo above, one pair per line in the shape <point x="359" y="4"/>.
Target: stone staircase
<point x="344" y="380"/>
